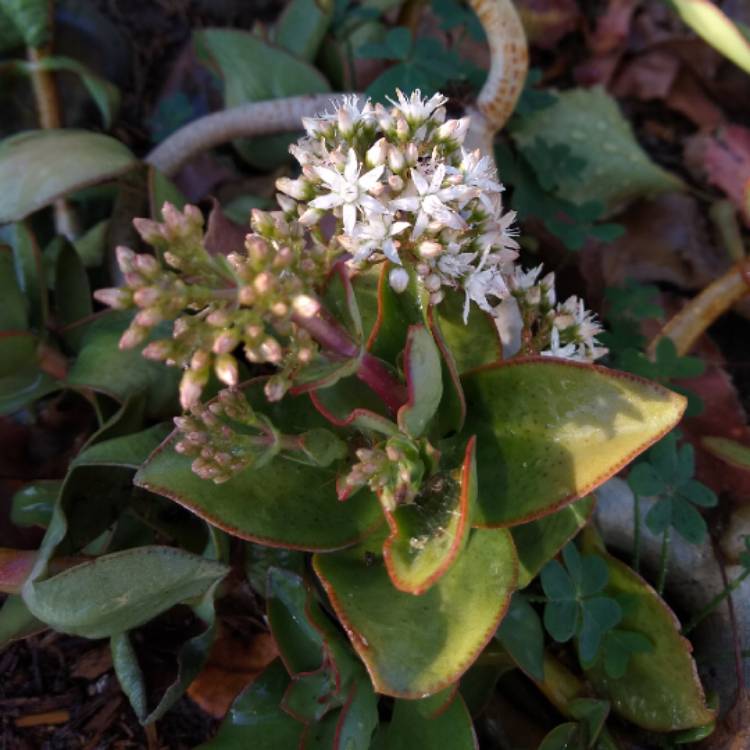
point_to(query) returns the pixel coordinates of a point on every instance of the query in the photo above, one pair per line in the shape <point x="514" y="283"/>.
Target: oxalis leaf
<point x="660" y="690"/>
<point x="120" y="591"/>
<point x="440" y="632"/>
<point x="44" y="164"/>
<point x="550" y="431"/>
<point x="615" y="168"/>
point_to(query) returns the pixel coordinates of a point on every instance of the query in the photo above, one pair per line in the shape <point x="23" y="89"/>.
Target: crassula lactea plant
<point x="396" y="394"/>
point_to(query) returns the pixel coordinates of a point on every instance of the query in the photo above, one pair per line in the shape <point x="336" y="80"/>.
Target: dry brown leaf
<point x="546" y="22"/>
<point x="93" y="663"/>
<point x="727" y="163"/>
<point x="232" y="664"/>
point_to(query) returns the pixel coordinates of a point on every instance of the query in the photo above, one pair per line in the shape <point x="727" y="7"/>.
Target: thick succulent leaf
<point x="474" y="343"/>
<point x="522" y="636"/>
<point x="588" y="122"/>
<point x="16" y="622"/>
<point x="24" y="386"/>
<point x="33" y="503"/>
<point x="303" y="25"/>
<point x="284" y="503"/>
<point x="72" y="288"/>
<point x="539" y="541"/>
<point x="120" y="591"/>
<point x="428" y="535"/>
<point x="734" y="453"/>
<point x="256" y="719"/>
<point x="440" y="632"/>
<point x="254" y="70"/>
<point x="414" y="725"/>
<point x="358" y="718"/>
<point x="28" y="269"/>
<point x="44" y="164"/>
<point x="660" y="690"/>
<point x="102" y="366"/>
<point x="127" y="450"/>
<point x="18" y="351"/>
<point x="424" y="381"/>
<point x="13" y="314"/>
<point x="550" y="431"/>
<point x="31" y="18"/>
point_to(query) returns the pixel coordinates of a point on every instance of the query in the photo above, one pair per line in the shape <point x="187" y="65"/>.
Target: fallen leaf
<point x="612" y="27"/>
<point x="727" y="163"/>
<point x="648" y="76"/>
<point x="232" y="664"/>
<point x="546" y="22"/>
<point x="666" y="239"/>
<point x="688" y="97"/>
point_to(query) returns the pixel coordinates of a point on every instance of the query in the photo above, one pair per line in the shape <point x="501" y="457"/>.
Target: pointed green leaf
<point x="13" y="313"/>
<point x="428" y="535"/>
<point x="522" y="636"/>
<point x="44" y="164"/>
<point x="28" y="268"/>
<point x="549" y="431"/>
<point x="303" y="25"/>
<point x="424" y="381"/>
<point x="450" y="730"/>
<point x="128" y="450"/>
<point x="120" y="591"/>
<point x="32" y="19"/>
<point x="734" y="453"/>
<point x="660" y="690"/>
<point x="283" y="503"/>
<point x="589" y="123"/>
<point x="16" y="622"/>
<point x="33" y="504"/>
<point x="539" y="541"/>
<point x="562" y="737"/>
<point x="440" y="632"/>
<point x="256" y="719"/>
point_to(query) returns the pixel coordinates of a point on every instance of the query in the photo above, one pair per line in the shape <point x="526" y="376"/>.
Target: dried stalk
<point x="495" y="103"/>
<point x="691" y="322"/>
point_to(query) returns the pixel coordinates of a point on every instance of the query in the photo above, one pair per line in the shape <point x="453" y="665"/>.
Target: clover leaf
<point x="633" y="301"/>
<point x="667" y="474"/>
<point x="575" y="604"/>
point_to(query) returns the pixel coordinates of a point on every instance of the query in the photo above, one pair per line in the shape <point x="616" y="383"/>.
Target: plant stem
<point x="716" y="601"/>
<point x="372" y="371"/>
<point x="636" y="532"/>
<point x="724" y="217"/>
<point x="689" y="324"/>
<point x="663" y="561"/>
<point x="48" y="108"/>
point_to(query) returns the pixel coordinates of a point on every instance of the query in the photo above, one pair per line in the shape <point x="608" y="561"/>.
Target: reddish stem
<point x="372" y="371"/>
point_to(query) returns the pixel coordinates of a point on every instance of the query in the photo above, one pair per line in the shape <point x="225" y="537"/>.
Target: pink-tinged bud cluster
<point x="244" y="303"/>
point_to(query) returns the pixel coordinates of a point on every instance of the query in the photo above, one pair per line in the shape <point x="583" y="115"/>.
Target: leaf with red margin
<point x="539" y="541"/>
<point x="15" y="568"/>
<point x="321" y="662"/>
<point x="550" y="431"/>
<point x="660" y="690"/>
<point x="428" y="535"/>
<point x="283" y="504"/>
<point x="473" y="344"/>
<point x="452" y="410"/>
<point x="411" y="645"/>
<point x="415" y="724"/>
<point x="422" y="366"/>
<point x="396" y="312"/>
<point x="256" y="720"/>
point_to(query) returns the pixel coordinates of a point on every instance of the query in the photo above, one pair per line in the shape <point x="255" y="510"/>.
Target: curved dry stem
<point x="244" y="121"/>
<point x="509" y="64"/>
<point x="691" y="322"/>
<point x="495" y="103"/>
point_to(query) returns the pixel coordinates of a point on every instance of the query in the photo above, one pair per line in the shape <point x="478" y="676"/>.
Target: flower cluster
<point x="393" y="470"/>
<point x="566" y="329"/>
<point x="404" y="190"/>
<point x="377" y="185"/>
<point x="251" y="297"/>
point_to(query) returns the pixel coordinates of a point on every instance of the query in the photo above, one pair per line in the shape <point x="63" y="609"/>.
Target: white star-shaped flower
<point x="415" y="109"/>
<point x="428" y="200"/>
<point x="566" y="351"/>
<point x="349" y="190"/>
<point x="377" y="236"/>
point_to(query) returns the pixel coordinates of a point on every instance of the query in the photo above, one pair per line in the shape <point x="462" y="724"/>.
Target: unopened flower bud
<point x="158" y="350"/>
<point x="275" y="388"/>
<point x="395" y="183"/>
<point x="146" y="296"/>
<point x="346" y="126"/>
<point x="225" y="342"/>
<point x="191" y="387"/>
<point x="411" y="153"/>
<point x="125" y="259"/>
<point x="147" y="265"/>
<point x="225" y="368"/>
<point x="377" y="154"/>
<point x="396" y="159"/>
<point x="246" y="295"/>
<point x="430" y="249"/>
<point x="305" y="306"/>
<point x="297" y="189"/>
<point x="132" y="336"/>
<point x="432" y="283"/>
<point x="120" y="299"/>
<point x="149" y="230"/>
<point x="261" y="221"/>
<point x="263" y="282"/>
<point x="148" y="317"/>
<point x="402" y="129"/>
<point x="398" y="278"/>
<point x="271" y="350"/>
